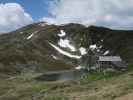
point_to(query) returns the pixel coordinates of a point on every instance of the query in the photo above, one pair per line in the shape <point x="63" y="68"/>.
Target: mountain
<point x="41" y="47"/>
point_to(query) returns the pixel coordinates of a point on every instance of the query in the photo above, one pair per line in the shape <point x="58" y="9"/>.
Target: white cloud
<point x="112" y="13"/>
<point x="13" y="16"/>
<point x="49" y="20"/>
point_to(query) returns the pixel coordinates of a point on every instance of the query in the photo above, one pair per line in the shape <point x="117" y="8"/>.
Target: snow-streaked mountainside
<point x="42" y="47"/>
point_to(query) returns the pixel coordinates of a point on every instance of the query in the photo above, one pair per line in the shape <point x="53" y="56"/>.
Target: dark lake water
<point x="63" y="75"/>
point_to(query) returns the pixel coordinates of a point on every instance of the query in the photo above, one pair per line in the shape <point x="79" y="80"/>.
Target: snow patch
<point x="100" y="46"/>
<point x="98" y="50"/>
<point x="42" y="24"/>
<point x="93" y="46"/>
<point x="62" y="33"/>
<point x="64" y="52"/>
<point x="29" y="37"/>
<point x="79" y="67"/>
<point x="82" y="51"/>
<point x="35" y="32"/>
<point x="106" y="52"/>
<point x="102" y="40"/>
<point x="21" y="32"/>
<point x="54" y="57"/>
<point x="65" y="43"/>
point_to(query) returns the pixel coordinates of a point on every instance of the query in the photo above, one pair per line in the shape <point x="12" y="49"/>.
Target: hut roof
<point x="109" y="58"/>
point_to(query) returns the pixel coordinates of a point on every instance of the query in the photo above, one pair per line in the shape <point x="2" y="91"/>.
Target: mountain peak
<point x="43" y="47"/>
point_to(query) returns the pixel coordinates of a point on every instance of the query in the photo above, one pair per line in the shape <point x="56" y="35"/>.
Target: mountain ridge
<point x="29" y="48"/>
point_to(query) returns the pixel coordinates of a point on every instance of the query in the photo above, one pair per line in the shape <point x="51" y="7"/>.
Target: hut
<point x="111" y="61"/>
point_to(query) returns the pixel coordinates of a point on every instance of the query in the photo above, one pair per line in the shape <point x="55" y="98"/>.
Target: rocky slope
<point x="41" y="47"/>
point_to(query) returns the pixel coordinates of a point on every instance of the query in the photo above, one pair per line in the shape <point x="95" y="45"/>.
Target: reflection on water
<point x="64" y="75"/>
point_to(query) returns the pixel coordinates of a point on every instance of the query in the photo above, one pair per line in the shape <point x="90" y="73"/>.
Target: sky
<point x="117" y="14"/>
<point x="36" y="8"/>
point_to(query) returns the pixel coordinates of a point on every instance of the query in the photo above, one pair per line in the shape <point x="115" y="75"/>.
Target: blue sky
<point x="116" y="14"/>
<point x="36" y="8"/>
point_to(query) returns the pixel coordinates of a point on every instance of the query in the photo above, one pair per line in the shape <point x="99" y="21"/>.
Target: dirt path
<point x="126" y="97"/>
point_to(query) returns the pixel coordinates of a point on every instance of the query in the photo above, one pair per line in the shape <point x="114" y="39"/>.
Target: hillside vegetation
<point x="28" y="48"/>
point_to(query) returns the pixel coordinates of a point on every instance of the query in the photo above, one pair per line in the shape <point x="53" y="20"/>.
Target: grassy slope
<point x="94" y="87"/>
<point x="17" y="54"/>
